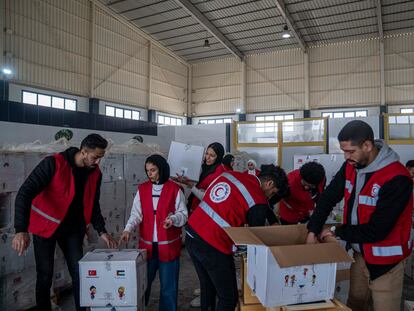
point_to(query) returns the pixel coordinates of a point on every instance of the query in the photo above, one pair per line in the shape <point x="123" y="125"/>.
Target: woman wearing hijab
<point x="211" y="168"/>
<point x="160" y="211"/>
<point x="228" y="161"/>
<point x="251" y="168"/>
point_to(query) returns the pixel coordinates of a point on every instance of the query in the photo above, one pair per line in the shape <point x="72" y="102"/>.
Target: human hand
<point x="311" y="238"/>
<point x="327" y="235"/>
<point x="21" y="242"/>
<point x="109" y="240"/>
<point x="168" y="222"/>
<point x="125" y="236"/>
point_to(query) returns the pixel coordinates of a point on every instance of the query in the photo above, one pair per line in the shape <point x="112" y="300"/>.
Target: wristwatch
<point x="333" y="229"/>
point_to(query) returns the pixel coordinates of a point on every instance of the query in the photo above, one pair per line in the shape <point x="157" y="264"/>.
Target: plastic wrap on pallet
<point x="17" y="290"/>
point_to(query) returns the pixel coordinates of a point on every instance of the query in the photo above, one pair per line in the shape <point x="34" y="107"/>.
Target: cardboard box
<point x="112" y="277"/>
<point x="134" y="168"/>
<point x="250" y="307"/>
<point x="342" y="291"/>
<point x="112" y="195"/>
<point x="112" y="167"/>
<point x="11" y="171"/>
<point x="283" y="270"/>
<point x="409" y="266"/>
<point x="248" y="296"/>
<point x="408" y="305"/>
<point x="140" y="307"/>
<point x="185" y="160"/>
<point x="10" y="261"/>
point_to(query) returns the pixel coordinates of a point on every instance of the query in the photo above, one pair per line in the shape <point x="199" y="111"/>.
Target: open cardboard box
<point x="282" y="269"/>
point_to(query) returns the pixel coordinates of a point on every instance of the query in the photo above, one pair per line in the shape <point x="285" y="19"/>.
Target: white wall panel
<point x="275" y="81"/>
<point x="216" y="87"/>
<point x="399" y="69"/>
<point x="345" y="74"/>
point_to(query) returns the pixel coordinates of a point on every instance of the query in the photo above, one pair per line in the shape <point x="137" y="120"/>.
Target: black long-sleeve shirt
<point x="38" y="180"/>
<point x="392" y="200"/>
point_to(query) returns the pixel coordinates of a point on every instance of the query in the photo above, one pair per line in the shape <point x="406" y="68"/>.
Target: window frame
<point x="331" y="114"/>
<point x="132" y="111"/>
<point x="176" y="120"/>
<point x="23" y="91"/>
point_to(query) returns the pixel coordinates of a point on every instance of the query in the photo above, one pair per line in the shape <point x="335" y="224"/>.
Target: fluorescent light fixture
<point x="7" y="71"/>
<point x="238" y="110"/>
<point x="286" y="34"/>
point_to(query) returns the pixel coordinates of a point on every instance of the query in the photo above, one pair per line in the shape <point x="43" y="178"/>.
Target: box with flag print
<point x="113" y="277"/>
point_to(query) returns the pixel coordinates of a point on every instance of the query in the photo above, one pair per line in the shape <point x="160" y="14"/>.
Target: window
<point x="272" y="127"/>
<point x="345" y="114"/>
<point x="215" y="121"/>
<point x="169" y="120"/>
<point x="112" y="111"/>
<point x="407" y="110"/>
<point x="45" y="100"/>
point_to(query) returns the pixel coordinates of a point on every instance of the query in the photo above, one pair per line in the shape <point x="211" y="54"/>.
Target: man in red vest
<point x="56" y="202"/>
<point x="160" y="211"/>
<point x="378" y="207"/>
<point x="232" y="200"/>
<point x="305" y="185"/>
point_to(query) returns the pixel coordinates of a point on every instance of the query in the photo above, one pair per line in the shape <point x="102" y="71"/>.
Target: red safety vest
<point x="397" y="245"/>
<point x="299" y="204"/>
<point x="225" y="204"/>
<point x="256" y="171"/>
<point x="51" y="205"/>
<point x="220" y="169"/>
<point x="169" y="241"/>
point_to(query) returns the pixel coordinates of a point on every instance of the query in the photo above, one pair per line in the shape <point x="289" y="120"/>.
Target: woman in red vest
<point x="211" y="169"/>
<point x="305" y="184"/>
<point x="159" y="210"/>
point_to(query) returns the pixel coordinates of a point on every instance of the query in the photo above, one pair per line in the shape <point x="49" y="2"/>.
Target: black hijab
<point x="163" y="167"/>
<point x="228" y="158"/>
<point x="209" y="169"/>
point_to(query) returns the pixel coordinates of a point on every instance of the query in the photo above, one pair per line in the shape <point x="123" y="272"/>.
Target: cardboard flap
<point x="281" y="235"/>
<point x="308" y="254"/>
<point x="242" y="236"/>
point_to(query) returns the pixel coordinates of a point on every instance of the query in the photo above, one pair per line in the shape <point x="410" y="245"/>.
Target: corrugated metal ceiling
<point x="255" y="26"/>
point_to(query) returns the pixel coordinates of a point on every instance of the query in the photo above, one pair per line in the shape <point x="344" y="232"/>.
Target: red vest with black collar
<point x="51" y="205"/>
<point x="397" y="245"/>
<point x="169" y="240"/>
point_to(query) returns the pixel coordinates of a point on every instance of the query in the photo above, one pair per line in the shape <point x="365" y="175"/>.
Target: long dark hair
<point x="209" y="169"/>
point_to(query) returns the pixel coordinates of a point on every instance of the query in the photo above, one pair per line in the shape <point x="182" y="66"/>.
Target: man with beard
<point x="377" y="190"/>
<point x="56" y="202"/>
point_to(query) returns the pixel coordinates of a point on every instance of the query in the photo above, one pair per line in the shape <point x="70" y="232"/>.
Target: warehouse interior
<point x="270" y="80"/>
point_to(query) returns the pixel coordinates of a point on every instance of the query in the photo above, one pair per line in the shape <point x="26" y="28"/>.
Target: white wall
<point x="397" y="108"/>
<point x="15" y="94"/>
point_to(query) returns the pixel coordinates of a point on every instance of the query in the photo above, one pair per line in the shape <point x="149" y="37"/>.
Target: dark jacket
<point x="39" y="178"/>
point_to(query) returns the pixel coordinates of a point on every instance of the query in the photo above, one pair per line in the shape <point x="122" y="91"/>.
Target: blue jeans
<point x="169" y="272"/>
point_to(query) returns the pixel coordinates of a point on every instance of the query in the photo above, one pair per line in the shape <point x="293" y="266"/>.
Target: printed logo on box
<point x="92" y="273"/>
<point x="120" y="272"/>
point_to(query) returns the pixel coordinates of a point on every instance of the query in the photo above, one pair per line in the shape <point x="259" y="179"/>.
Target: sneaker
<point x="195" y="303"/>
<point x="197" y="292"/>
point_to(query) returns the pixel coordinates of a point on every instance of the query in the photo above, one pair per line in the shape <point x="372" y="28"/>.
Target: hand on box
<point x="311" y="238"/>
<point x="110" y="241"/>
<point x="326" y="235"/>
<point x="21" y="242"/>
<point x="125" y="236"/>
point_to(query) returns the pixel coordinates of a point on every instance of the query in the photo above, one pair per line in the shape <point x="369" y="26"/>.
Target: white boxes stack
<point x="111" y="278"/>
<point x="122" y="172"/>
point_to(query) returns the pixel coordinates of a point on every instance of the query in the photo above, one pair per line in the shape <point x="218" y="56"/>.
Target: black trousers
<point x="217" y="274"/>
<point x="70" y="241"/>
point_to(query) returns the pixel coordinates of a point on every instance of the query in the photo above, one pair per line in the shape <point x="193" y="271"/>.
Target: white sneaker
<point x="195" y="303"/>
<point x="197" y="292"/>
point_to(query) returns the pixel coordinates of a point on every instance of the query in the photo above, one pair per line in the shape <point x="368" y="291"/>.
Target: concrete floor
<point x="189" y="281"/>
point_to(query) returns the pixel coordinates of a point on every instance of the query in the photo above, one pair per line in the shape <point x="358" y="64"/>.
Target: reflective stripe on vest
<point x="160" y="243"/>
<point x="45" y="215"/>
<point x="348" y="186"/>
<point x="249" y="200"/>
<point x="367" y="200"/>
<point x="213" y="215"/>
<point x="386" y="251"/>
